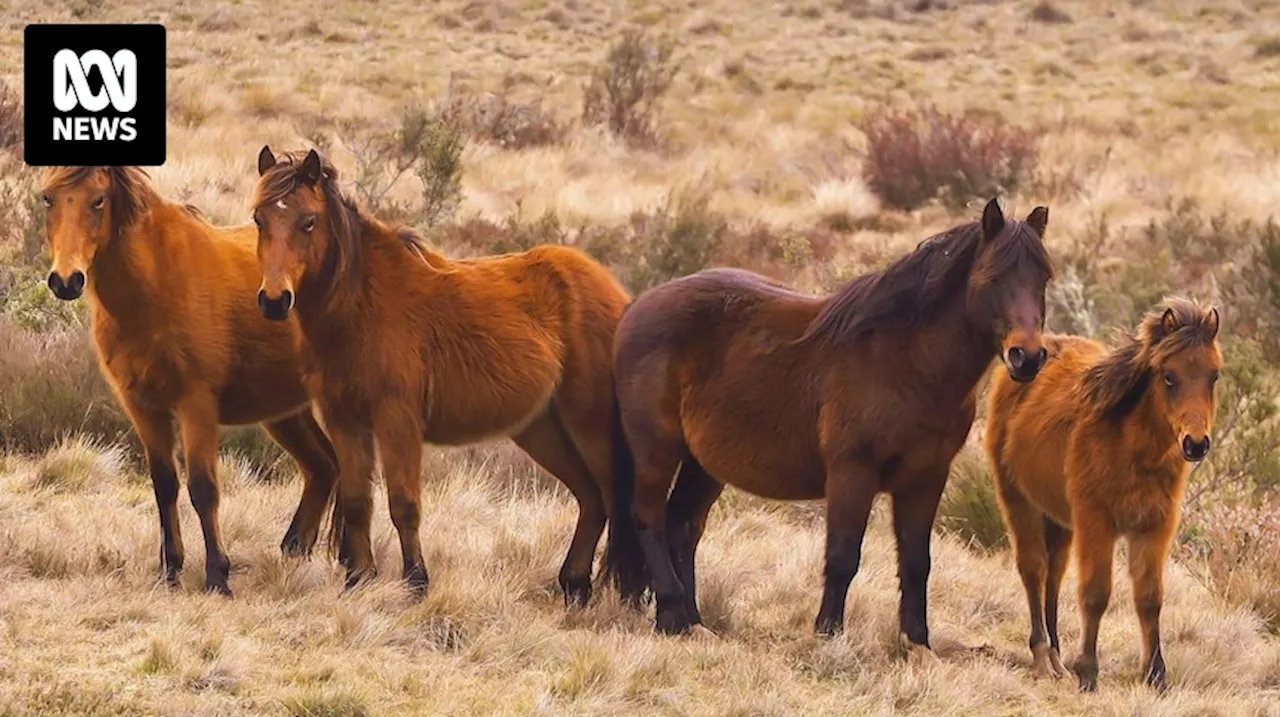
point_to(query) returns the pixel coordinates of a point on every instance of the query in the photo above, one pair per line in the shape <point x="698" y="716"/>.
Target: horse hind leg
<point x="303" y="439"/>
<point x="691" y="500"/>
<point x="549" y="445"/>
<point x="659" y="449"/>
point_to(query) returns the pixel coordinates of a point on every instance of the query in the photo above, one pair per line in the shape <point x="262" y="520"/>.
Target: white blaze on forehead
<point x="280" y="203"/>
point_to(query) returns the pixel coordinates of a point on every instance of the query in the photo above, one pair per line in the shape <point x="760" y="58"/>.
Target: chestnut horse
<point x="1097" y="448"/>
<point x="177" y="336"/>
<point x="404" y="346"/>
<point x="728" y="377"/>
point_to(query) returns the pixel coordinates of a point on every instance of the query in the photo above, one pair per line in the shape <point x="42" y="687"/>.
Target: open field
<point x="1154" y="140"/>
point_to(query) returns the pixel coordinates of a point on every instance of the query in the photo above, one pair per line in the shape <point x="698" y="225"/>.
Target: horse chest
<point x="149" y="370"/>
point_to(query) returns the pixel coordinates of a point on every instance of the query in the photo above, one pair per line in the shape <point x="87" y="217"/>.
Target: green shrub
<point x="625" y="91"/>
<point x="969" y="509"/>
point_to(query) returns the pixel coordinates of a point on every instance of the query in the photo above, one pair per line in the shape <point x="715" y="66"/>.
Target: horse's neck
<point x="124" y="277"/>
<point x="963" y="349"/>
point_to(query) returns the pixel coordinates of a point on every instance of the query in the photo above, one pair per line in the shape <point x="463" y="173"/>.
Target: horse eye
<point x="1213" y="378"/>
<point x="1169" y="379"/>
<point x="309" y="223"/>
<point x="99" y="202"/>
<point x="48" y="200"/>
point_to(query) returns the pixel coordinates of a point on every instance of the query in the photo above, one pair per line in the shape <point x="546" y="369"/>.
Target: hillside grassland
<point x="809" y="141"/>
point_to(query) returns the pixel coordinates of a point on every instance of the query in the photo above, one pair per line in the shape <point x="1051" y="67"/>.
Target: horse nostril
<point x="1016" y="357"/>
<point x="55" y="282"/>
<point x="287" y="299"/>
<point x="1195" y="450"/>
<point x="262" y="299"/>
<point x="1043" y="355"/>
<point x="76" y="283"/>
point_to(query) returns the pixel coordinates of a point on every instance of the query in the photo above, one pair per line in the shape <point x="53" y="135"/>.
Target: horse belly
<point x="456" y="423"/>
<point x="769" y="471"/>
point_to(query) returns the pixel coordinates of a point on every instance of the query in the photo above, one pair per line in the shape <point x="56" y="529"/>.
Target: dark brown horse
<point x="727" y="377"/>
<point x="178" y="336"/>
<point x="404" y="346"/>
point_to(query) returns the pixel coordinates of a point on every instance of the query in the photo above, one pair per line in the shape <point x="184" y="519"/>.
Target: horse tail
<point x="624" y="561"/>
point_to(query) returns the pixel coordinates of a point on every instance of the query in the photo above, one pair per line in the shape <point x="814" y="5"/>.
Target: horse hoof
<point x="220" y="589"/>
<point x="1057" y="670"/>
<point x="355" y="578"/>
<point x="1156" y="679"/>
<point x="1041" y="664"/>
<point x="919" y="656"/>
<point x="416" y="579"/>
<point x="292" y="547"/>
<point x="828" y="628"/>
<point x="672" y="622"/>
<point x="577" y="593"/>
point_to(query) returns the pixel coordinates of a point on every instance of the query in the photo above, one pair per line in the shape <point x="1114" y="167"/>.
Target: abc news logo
<point x="94" y="95"/>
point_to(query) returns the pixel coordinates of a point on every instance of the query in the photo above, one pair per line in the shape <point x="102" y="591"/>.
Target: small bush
<point x="22" y="239"/>
<point x="1048" y="13"/>
<point x="682" y="237"/>
<point x="969" y="509"/>
<point x="625" y="90"/>
<point x="10" y="117"/>
<point x="919" y="154"/>
<point x="497" y="119"/>
<point x="425" y="144"/>
<point x="1235" y="551"/>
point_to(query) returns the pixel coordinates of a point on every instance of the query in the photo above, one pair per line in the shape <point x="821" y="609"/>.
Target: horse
<point x="1100" y="447"/>
<point x="176" y="337"/>
<point x="730" y="378"/>
<point x="404" y="346"/>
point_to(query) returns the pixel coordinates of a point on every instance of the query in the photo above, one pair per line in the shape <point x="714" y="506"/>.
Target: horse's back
<point x="1029" y="424"/>
<point x="713" y="302"/>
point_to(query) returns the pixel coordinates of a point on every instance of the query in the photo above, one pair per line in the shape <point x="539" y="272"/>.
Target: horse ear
<point x="266" y="160"/>
<point x="992" y="219"/>
<point x="1039" y="220"/>
<point x="1169" y="322"/>
<point x="1211" y="322"/>
<point x="310" y="171"/>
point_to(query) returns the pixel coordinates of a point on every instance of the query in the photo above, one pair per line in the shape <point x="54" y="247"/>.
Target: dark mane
<point x="131" y="194"/>
<point x="916" y="286"/>
<point x="1113" y="387"/>
<point x="348" y="222"/>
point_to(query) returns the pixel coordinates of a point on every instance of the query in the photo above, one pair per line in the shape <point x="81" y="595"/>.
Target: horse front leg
<point x="914" y="510"/>
<point x="1147" y="555"/>
<point x="851" y="491"/>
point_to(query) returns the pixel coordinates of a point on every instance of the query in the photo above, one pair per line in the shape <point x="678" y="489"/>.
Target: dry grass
<point x="86" y="630"/>
<point x="1154" y="120"/>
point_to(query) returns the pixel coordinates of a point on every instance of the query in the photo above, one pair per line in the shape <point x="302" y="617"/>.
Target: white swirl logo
<point x="119" y="80"/>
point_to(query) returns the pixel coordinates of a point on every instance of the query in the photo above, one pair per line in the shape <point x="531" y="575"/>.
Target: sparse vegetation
<point x="773" y="148"/>
<point x="625" y="91"/>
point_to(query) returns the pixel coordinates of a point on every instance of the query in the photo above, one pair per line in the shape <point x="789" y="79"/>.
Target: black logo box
<point x="41" y="43"/>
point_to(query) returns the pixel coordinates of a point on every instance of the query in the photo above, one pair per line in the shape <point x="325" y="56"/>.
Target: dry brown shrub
<point x="922" y="153"/>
